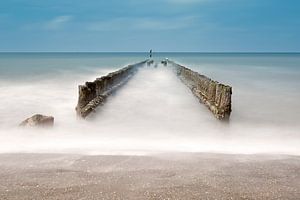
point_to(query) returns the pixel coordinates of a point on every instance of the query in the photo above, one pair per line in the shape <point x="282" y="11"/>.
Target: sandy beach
<point x="149" y="100"/>
<point x="163" y="176"/>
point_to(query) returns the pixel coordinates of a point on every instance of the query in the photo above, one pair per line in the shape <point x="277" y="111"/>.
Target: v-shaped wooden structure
<point x="216" y="96"/>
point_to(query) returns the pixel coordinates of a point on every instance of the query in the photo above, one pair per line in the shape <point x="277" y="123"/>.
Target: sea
<point x="154" y="112"/>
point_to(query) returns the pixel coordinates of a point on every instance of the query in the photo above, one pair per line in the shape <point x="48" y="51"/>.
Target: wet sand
<point x="164" y="176"/>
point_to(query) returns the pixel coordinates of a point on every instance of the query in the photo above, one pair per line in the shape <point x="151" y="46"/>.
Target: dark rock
<point x="164" y="62"/>
<point x="38" y="120"/>
<point x="150" y="62"/>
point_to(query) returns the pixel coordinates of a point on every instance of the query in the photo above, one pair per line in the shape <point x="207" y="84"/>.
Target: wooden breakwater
<point x="216" y="96"/>
<point x="93" y="94"/>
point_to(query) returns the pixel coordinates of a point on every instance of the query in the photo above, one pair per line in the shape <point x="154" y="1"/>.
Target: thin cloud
<point x="189" y="2"/>
<point x="58" y="22"/>
<point x="142" y="24"/>
<point x="175" y="1"/>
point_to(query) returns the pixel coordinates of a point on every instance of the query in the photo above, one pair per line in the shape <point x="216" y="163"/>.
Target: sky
<point x="140" y="25"/>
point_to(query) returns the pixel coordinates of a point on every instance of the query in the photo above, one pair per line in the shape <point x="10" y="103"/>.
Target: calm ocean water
<point x="154" y="112"/>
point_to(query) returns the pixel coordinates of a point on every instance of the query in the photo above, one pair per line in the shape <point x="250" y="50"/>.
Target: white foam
<point x="154" y="112"/>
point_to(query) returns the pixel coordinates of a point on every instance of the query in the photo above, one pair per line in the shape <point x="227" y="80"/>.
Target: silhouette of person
<point x="151" y="53"/>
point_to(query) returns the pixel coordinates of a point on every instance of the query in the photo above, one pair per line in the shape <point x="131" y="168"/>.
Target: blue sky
<point x="140" y="25"/>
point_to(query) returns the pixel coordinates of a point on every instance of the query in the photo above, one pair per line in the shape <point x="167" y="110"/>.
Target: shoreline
<point x="159" y="176"/>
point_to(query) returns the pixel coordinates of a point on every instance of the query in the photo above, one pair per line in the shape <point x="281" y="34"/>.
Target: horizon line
<point x="207" y="52"/>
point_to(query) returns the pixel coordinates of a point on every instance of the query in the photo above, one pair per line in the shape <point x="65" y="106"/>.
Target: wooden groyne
<point x="93" y="94"/>
<point x="216" y="96"/>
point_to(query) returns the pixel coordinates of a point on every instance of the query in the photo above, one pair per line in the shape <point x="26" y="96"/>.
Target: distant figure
<point x="151" y="53"/>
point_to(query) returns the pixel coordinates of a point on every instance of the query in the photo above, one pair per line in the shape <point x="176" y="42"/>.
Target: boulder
<point x="38" y="120"/>
<point x="164" y="62"/>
